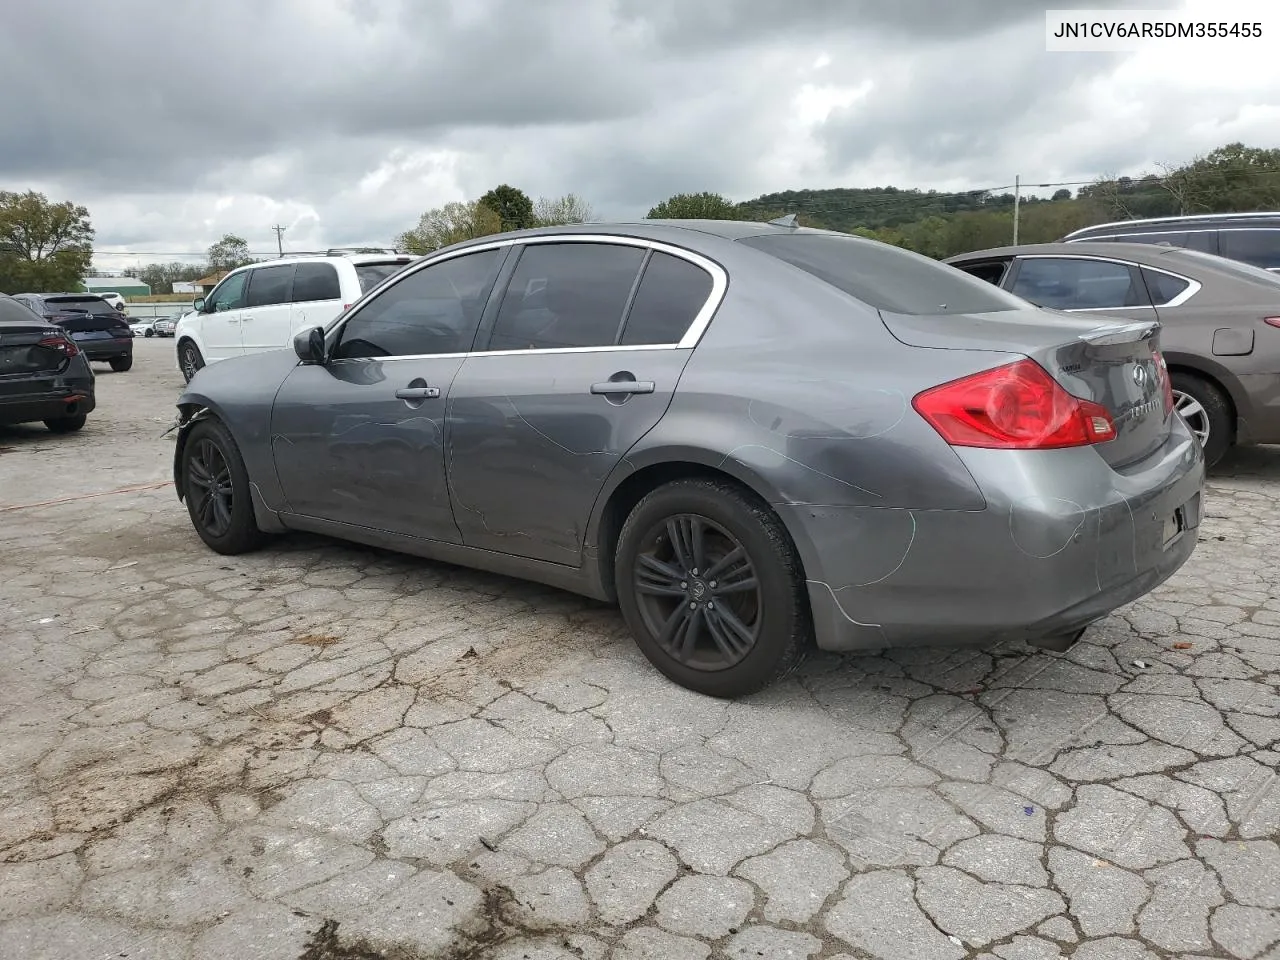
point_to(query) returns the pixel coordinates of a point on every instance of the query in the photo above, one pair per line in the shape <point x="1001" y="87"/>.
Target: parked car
<point x="164" y="326"/>
<point x="44" y="375"/>
<point x="261" y="306"/>
<point x="115" y="300"/>
<point x="1220" y="320"/>
<point x="144" y="327"/>
<point x="1252" y="238"/>
<point x="98" y="328"/>
<point x="748" y="435"/>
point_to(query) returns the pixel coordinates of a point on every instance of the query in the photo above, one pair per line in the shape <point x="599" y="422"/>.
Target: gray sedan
<point x="752" y="437"/>
<point x="1220" y="320"/>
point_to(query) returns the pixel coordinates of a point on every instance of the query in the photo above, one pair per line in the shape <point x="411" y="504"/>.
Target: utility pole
<point x="1017" y="198"/>
<point x="280" y="238"/>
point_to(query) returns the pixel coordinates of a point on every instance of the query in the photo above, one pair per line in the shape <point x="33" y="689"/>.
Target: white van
<point x="262" y="306"/>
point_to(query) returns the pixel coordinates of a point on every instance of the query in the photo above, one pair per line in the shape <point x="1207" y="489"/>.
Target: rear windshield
<point x="372" y="274"/>
<point x="886" y="277"/>
<point x="94" y="305"/>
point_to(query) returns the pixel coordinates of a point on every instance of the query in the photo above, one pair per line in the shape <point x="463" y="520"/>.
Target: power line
<point x="279" y="238"/>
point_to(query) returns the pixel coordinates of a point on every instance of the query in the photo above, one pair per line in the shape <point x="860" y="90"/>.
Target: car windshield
<point x="372" y="274"/>
<point x="1239" y="268"/>
<point x="95" y="305"/>
<point x="886" y="277"/>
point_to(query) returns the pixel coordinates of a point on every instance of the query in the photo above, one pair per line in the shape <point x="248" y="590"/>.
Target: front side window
<point x="269" y="286"/>
<point x="1260" y="248"/>
<point x="1067" y="284"/>
<point x="229" y="295"/>
<point x="566" y="295"/>
<point x="316" y="281"/>
<point x="671" y="294"/>
<point x="886" y="277"/>
<point x="433" y="311"/>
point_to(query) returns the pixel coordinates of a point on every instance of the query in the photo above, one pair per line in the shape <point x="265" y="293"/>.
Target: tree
<point x="452" y="223"/>
<point x="43" y="246"/>
<point x="1063" y="194"/>
<point x="1234" y="177"/>
<point x="161" y="277"/>
<point x="696" y="206"/>
<point x="548" y="212"/>
<point x="228" y="253"/>
<point x="512" y="205"/>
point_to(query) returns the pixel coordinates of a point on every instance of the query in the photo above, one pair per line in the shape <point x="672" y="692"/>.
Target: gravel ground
<point x="325" y="752"/>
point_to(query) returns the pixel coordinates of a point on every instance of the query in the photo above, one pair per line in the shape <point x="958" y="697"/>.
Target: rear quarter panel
<point x="801" y="393"/>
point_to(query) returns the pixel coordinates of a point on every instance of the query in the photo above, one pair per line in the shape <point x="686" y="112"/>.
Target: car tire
<point x="66" y="424"/>
<point x="121" y="364"/>
<point x="762" y="628"/>
<point x="215" y="486"/>
<point x="189" y="359"/>
<point x="149" y="334"/>
<point x="1207" y="411"/>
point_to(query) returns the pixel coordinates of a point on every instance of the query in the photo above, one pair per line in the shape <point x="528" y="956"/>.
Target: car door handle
<point x="418" y="393"/>
<point x="623" y="386"/>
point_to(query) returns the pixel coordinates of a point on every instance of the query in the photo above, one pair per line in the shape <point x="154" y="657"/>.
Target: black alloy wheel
<point x="712" y="588"/>
<point x="698" y="593"/>
<point x="215" y="486"/>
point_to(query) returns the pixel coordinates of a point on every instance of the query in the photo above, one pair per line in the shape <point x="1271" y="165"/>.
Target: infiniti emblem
<point x="1140" y="375"/>
<point x="699" y="589"/>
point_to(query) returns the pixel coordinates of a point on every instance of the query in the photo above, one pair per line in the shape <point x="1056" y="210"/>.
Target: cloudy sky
<point x="175" y="122"/>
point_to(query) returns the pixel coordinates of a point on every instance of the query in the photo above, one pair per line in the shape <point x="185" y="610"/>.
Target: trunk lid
<point x="21" y="354"/>
<point x="1109" y="361"/>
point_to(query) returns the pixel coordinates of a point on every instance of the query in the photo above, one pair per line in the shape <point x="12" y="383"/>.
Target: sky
<point x="343" y="120"/>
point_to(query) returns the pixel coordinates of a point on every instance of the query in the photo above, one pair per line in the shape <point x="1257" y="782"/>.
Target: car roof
<point x="1151" y="254"/>
<point x="693" y="234"/>
<point x="353" y="258"/>
<point x="1189" y="220"/>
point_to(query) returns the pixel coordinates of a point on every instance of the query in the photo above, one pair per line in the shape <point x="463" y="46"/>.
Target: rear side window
<point x="1162" y="286"/>
<point x="886" y="277"/>
<point x="269" y="286"/>
<point x="566" y="295"/>
<point x="1261" y="248"/>
<point x="371" y="274"/>
<point x="316" y="281"/>
<point x="1070" y="284"/>
<point x="672" y="292"/>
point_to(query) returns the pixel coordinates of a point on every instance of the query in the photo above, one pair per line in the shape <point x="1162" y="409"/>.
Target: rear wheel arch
<point x="617" y="505"/>
<point x="1217" y="376"/>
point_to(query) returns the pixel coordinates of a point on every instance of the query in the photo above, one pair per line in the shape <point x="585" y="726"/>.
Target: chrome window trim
<point x="692" y="335"/>
<point x="1193" y="286"/>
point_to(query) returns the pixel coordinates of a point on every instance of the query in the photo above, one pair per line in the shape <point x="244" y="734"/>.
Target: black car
<point x="99" y="329"/>
<point x="44" y="375"/>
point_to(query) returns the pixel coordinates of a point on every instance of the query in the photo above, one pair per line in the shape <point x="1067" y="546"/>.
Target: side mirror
<point x="309" y="345"/>
<point x="198" y="304"/>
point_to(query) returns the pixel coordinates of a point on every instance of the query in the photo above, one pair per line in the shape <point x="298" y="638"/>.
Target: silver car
<point x="752" y="437"/>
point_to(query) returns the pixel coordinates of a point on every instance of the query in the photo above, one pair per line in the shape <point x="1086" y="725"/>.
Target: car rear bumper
<point x="1064" y="541"/>
<point x="29" y="408"/>
<point x="105" y="349"/>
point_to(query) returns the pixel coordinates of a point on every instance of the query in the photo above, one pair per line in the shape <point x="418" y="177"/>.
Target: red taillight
<point x="63" y="345"/>
<point x="1166" y="385"/>
<point x="1014" y="407"/>
<point x="1271" y="321"/>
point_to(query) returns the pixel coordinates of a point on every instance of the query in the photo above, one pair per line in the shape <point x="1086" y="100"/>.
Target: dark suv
<point x="98" y="329"/>
<point x="1252" y="238"/>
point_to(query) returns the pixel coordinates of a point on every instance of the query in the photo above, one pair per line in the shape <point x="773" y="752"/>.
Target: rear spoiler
<point x="1123" y="333"/>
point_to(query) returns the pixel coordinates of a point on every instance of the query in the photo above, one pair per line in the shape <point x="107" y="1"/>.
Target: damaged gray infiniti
<point x="754" y="438"/>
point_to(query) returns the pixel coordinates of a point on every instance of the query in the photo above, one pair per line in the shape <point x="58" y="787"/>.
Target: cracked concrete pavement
<point x="321" y="751"/>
